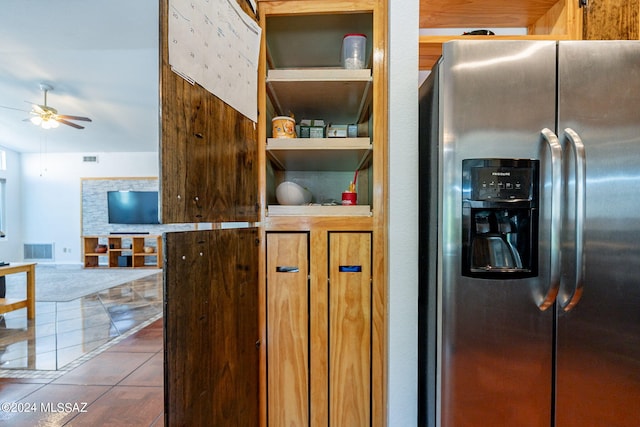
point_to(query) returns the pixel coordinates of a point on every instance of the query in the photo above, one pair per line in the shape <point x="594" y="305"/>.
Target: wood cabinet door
<point x="288" y="328"/>
<point x="211" y="322"/>
<point x="208" y="151"/>
<point x="350" y="326"/>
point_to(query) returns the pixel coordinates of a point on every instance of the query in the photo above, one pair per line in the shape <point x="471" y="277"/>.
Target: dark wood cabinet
<point x="212" y="354"/>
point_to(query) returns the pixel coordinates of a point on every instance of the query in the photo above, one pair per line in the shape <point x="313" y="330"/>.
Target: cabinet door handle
<point x="287" y="269"/>
<point x="350" y="269"/>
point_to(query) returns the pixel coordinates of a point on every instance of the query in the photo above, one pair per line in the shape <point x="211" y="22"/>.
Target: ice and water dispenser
<point x="500" y="218"/>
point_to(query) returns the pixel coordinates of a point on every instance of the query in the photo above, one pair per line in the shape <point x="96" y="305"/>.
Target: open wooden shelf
<point x="543" y="20"/>
<point x="482" y="13"/>
<point x="335" y="95"/>
<point x="319" y="210"/>
<point x="123" y="245"/>
<point x="319" y="154"/>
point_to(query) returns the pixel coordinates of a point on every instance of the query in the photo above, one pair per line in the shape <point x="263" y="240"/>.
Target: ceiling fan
<point x="47" y="117"/>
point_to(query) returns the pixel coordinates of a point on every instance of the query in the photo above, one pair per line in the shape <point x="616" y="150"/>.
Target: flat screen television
<point x="133" y="207"/>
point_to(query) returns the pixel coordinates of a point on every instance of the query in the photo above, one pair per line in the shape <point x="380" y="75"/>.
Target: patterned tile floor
<point x="65" y="334"/>
<point x="122" y="386"/>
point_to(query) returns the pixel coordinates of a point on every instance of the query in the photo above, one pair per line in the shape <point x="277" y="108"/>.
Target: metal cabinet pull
<point x="287" y="269"/>
<point x="350" y="269"/>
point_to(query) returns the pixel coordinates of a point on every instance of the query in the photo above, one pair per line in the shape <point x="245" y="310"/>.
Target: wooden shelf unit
<point x="312" y="85"/>
<point x="543" y="20"/>
<point x="335" y="95"/>
<point x="118" y="245"/>
<point x="320" y="154"/>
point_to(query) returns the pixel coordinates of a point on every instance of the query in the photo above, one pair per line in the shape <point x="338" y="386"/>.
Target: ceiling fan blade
<point x="64" y="116"/>
<point x="38" y="109"/>
<point x="17" y="109"/>
<point x="64" y="122"/>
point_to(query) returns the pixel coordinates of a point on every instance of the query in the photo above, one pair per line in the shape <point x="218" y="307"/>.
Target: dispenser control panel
<point x="501" y="183"/>
<point x="499" y="236"/>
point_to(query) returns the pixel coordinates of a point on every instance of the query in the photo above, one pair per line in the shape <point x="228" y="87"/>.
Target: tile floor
<point x="95" y="361"/>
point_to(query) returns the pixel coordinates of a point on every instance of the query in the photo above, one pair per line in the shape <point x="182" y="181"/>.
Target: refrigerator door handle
<point x="549" y="296"/>
<point x="580" y="210"/>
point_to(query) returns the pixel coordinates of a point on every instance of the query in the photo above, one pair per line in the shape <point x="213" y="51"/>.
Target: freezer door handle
<point x="548" y="296"/>
<point x="579" y="157"/>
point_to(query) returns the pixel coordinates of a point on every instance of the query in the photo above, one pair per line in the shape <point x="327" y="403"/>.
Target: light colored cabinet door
<point x="288" y="329"/>
<point x="349" y="329"/>
<point x="292" y="303"/>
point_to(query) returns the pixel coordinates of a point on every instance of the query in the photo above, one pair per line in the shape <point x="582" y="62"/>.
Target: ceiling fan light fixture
<point x="47" y="117"/>
<point x="49" y="123"/>
<point x="44" y="122"/>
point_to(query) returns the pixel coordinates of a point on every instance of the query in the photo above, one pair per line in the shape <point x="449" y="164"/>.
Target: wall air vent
<point x="38" y="251"/>
<point x="90" y="159"/>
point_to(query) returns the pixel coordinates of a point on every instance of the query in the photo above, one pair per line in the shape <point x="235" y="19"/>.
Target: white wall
<point x="51" y="208"/>
<point x="403" y="209"/>
<point x="11" y="245"/>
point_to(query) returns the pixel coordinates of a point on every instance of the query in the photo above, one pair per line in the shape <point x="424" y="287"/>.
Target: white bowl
<point x="290" y="193"/>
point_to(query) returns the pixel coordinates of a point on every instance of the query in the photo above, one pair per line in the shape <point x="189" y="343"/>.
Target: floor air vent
<point x="38" y="251"/>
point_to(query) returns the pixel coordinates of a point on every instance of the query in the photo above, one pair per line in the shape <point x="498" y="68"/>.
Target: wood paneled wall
<point x="612" y="20"/>
<point x="208" y="151"/>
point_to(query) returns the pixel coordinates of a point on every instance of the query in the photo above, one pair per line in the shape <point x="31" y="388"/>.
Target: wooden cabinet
<point x="319" y="331"/>
<point x="543" y="19"/>
<point x="137" y="251"/>
<point x="288" y="328"/>
<point x="350" y="329"/>
<point x="212" y="349"/>
<point x="322" y="348"/>
<point x="324" y="330"/>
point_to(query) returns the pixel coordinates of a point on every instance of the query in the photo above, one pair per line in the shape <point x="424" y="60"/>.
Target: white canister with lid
<point x="354" y="48"/>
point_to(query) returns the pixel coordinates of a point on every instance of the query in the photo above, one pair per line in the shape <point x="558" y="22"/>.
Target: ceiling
<point x="101" y="57"/>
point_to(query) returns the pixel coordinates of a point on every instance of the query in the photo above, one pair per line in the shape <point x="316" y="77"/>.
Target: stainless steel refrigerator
<point x="530" y="235"/>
